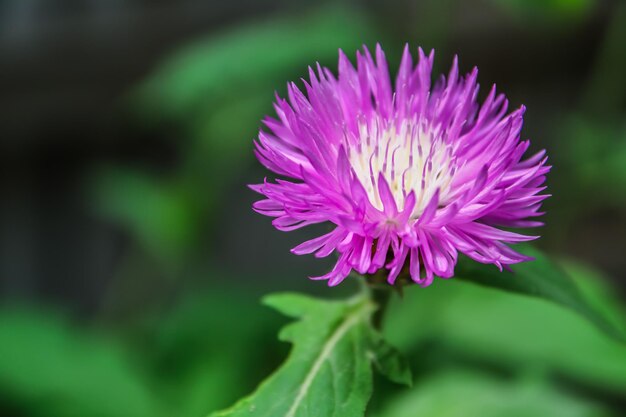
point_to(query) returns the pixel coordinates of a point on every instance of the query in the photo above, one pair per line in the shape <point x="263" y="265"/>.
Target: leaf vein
<point x="351" y="320"/>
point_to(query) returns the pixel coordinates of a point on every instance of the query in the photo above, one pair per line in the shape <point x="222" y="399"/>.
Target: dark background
<point x="126" y="145"/>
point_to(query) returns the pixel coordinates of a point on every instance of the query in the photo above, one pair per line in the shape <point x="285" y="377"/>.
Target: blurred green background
<point x="131" y="262"/>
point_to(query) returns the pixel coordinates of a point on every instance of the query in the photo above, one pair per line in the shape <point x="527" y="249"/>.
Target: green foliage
<point x="547" y="10"/>
<point x="247" y="58"/>
<point x="597" y="290"/>
<point x="389" y="361"/>
<point x="539" y="278"/>
<point x="205" y="362"/>
<point x="595" y="160"/>
<point x="329" y="370"/>
<point x="183" y="362"/>
<point x="463" y="320"/>
<point x="161" y="215"/>
<point x="213" y="348"/>
<point x="50" y="368"/>
<point x="207" y="351"/>
<point x="462" y="393"/>
<point x="214" y="93"/>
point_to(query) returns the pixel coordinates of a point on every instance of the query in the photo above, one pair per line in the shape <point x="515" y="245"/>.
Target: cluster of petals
<point x="408" y="174"/>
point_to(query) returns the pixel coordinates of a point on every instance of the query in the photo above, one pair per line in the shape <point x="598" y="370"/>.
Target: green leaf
<point x="161" y="214"/>
<point x="497" y="328"/>
<point x="597" y="290"/>
<point x="199" y="375"/>
<point x="462" y="393"/>
<point x="389" y="361"/>
<point x="329" y="370"/>
<point x="231" y="63"/>
<point x="547" y="11"/>
<point x="538" y="278"/>
<point x="594" y="158"/>
<point x="51" y="368"/>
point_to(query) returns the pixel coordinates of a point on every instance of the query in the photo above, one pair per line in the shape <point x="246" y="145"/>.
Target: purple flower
<point x="408" y="175"/>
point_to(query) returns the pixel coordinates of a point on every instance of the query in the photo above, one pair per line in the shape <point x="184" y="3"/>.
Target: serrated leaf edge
<point x="351" y="320"/>
<point x="363" y="308"/>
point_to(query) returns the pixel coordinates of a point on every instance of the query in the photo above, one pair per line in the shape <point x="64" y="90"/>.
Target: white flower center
<point x="411" y="155"/>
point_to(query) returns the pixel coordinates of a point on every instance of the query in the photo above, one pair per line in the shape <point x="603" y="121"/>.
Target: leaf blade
<point x="389" y="361"/>
<point x="538" y="278"/>
<point x="330" y="341"/>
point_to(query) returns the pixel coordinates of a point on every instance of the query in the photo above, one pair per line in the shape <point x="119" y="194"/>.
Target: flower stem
<point x="380" y="296"/>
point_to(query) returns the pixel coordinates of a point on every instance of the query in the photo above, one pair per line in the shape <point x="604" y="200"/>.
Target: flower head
<point x="409" y="175"/>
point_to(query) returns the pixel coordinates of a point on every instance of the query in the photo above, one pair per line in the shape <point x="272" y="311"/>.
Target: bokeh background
<point x="131" y="263"/>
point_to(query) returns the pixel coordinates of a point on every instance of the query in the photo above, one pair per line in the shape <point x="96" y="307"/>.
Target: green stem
<point x="380" y="296"/>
